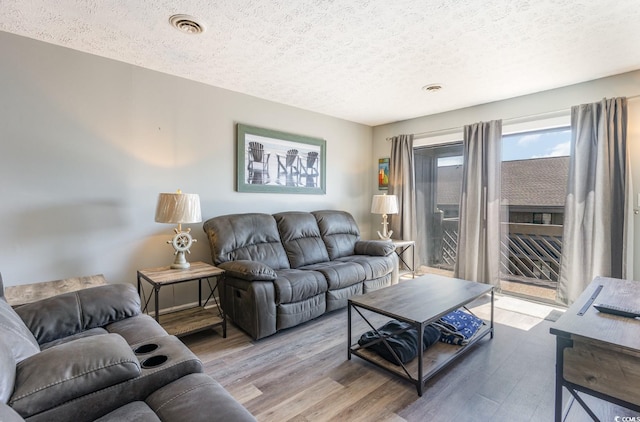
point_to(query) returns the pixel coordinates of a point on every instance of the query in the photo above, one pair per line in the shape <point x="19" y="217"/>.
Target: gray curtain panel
<point x="402" y="184"/>
<point x="478" y="252"/>
<point x="598" y="229"/>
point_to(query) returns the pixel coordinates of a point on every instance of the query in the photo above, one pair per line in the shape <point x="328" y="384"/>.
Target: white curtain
<point x="402" y="184"/>
<point x="478" y="251"/>
<point x="598" y="226"/>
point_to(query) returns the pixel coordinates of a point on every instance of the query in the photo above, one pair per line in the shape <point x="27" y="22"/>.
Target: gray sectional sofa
<point x="91" y="355"/>
<point x="284" y="269"/>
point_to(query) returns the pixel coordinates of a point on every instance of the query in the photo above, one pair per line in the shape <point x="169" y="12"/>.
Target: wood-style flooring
<point x="302" y="374"/>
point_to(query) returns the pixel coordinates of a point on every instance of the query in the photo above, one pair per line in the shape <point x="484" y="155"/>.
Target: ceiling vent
<point x="432" y="87"/>
<point x="187" y="24"/>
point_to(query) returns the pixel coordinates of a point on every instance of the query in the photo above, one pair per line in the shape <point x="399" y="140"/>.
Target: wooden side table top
<point x="168" y="275"/>
<point x="27" y="293"/>
<point x="600" y="327"/>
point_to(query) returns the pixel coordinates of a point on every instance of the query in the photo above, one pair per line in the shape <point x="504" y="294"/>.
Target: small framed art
<point x="383" y="173"/>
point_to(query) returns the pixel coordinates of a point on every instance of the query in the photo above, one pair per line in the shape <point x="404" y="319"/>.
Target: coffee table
<point x="418" y="302"/>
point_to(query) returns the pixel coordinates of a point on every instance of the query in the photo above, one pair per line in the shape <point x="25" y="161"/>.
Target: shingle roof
<point x="533" y="182"/>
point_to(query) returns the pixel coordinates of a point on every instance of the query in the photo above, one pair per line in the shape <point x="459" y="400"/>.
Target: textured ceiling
<point x="361" y="60"/>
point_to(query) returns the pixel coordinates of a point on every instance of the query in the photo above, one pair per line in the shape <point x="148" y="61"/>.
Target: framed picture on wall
<point x="278" y="162"/>
<point x="383" y="173"/>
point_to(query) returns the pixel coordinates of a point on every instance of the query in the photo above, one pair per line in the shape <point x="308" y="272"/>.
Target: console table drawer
<point x="612" y="371"/>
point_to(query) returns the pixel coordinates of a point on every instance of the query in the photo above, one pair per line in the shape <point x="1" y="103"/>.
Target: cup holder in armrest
<point x="145" y="348"/>
<point x="154" y="361"/>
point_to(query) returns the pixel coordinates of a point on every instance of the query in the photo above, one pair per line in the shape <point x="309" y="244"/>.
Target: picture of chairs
<point x="278" y="162"/>
<point x="288" y="166"/>
<point x="258" y="167"/>
<point x="310" y="169"/>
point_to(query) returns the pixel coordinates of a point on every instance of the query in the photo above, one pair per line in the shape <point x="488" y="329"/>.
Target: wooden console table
<point x="27" y="293"/>
<point x="191" y="320"/>
<point x="599" y="354"/>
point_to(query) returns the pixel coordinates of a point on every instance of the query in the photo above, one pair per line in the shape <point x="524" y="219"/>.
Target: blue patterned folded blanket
<point x="458" y="327"/>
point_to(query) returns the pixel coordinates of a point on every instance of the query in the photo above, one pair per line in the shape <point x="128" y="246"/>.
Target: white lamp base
<point x="181" y="242"/>
<point x="180" y="262"/>
<point x="386" y="234"/>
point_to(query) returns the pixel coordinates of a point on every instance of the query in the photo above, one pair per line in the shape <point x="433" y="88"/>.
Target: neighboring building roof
<point x="540" y="182"/>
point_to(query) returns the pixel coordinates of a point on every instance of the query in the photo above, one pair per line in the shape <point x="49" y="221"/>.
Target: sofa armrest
<point x="374" y="247"/>
<point x="248" y="270"/>
<point x="70" y="313"/>
<point x="71" y="370"/>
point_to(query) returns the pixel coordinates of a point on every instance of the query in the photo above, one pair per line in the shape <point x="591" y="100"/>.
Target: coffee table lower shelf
<point x="192" y="320"/>
<point x="434" y="359"/>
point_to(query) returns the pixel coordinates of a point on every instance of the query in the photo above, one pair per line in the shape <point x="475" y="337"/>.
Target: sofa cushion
<point x="184" y="398"/>
<point x="251" y="236"/>
<point x="7" y="371"/>
<point x="339" y="274"/>
<point x="137" y="411"/>
<point x="82" y="334"/>
<point x="300" y="236"/>
<point x="71" y="370"/>
<point x="15" y="333"/>
<point x="339" y="232"/>
<point x="296" y="285"/>
<point x="374" y="266"/>
<point x="70" y="313"/>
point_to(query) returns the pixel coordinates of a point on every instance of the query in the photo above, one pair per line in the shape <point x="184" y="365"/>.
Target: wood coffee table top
<point x="422" y="299"/>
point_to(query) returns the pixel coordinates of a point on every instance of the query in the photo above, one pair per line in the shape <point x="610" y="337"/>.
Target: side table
<point x="187" y="321"/>
<point x="402" y="246"/>
<point x="27" y="293"/>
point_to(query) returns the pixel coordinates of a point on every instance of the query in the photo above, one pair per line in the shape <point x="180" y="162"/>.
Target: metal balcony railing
<point x="530" y="252"/>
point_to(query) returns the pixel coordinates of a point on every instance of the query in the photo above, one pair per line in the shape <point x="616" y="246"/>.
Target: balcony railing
<point x="530" y="252"/>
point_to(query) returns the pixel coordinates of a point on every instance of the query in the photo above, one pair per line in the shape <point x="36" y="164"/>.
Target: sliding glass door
<point x="534" y="182"/>
<point x="438" y="186"/>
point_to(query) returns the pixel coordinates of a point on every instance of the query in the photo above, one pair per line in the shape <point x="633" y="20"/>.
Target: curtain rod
<point x="519" y="119"/>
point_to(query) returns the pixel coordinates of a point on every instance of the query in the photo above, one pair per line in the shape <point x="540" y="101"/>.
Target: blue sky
<point x="524" y="146"/>
<point x="541" y="144"/>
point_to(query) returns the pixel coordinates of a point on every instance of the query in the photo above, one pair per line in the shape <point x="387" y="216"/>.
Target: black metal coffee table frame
<point x="418" y="302"/>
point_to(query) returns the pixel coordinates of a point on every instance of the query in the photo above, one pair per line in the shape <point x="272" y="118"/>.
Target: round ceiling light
<point x="432" y="87"/>
<point x="187" y="24"/>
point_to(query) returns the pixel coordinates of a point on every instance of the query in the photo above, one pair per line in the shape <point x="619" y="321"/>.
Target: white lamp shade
<point x="178" y="208"/>
<point x="384" y="204"/>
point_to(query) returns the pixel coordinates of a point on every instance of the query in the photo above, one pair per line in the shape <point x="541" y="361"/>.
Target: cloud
<point x="561" y="150"/>
<point x="450" y="161"/>
<point x="528" y="139"/>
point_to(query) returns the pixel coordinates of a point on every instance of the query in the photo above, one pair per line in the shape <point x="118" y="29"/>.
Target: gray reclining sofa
<point x="284" y="269"/>
<point x="91" y="355"/>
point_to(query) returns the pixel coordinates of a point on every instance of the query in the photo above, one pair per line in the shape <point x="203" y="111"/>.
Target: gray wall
<point x="88" y="143"/>
<point x="528" y="112"/>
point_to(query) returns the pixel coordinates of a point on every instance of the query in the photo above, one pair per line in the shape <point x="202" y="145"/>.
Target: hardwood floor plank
<point x="302" y="374"/>
<point x="244" y="392"/>
<point x="296" y="404"/>
<point x="332" y="405"/>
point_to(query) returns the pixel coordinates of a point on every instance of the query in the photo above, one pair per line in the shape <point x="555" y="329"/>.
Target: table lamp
<point x="384" y="204"/>
<point x="179" y="208"/>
